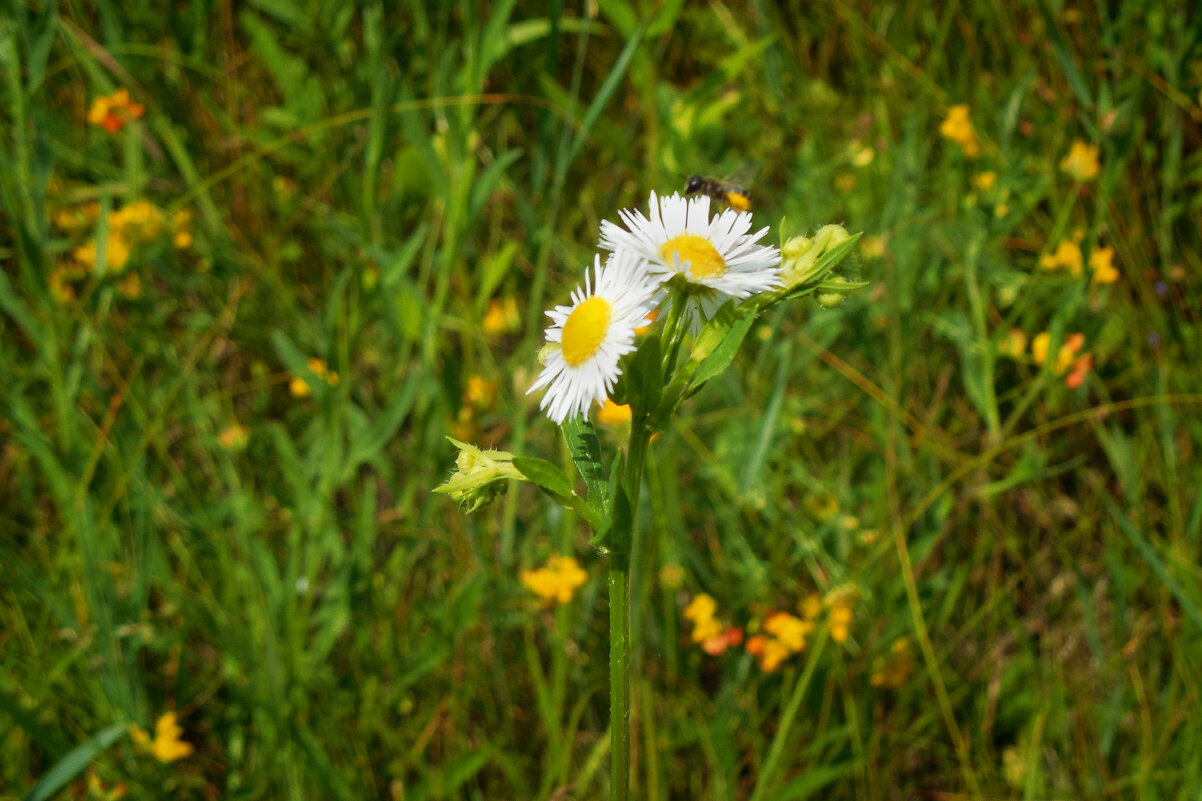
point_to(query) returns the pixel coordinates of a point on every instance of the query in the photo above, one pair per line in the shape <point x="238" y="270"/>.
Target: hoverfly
<point x="732" y="191"/>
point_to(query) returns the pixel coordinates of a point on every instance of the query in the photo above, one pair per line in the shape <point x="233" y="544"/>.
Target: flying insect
<point x="731" y="191"/>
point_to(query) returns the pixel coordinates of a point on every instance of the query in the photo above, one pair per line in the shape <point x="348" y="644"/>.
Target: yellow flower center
<point x="585" y="329"/>
<point x="704" y="259"/>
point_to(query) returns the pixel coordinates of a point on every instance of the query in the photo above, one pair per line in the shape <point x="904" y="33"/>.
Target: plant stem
<point x="619" y="619"/>
<point x="619" y="677"/>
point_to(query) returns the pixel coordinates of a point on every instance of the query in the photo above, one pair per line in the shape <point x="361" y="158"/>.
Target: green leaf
<point x="646" y="382"/>
<point x="1151" y="556"/>
<point x="732" y="323"/>
<point x="544" y="474"/>
<point x="585" y="449"/>
<point x="74" y="762"/>
<point x="551" y="480"/>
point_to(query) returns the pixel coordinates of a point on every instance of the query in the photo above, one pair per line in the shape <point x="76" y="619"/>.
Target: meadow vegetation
<point x="940" y="540"/>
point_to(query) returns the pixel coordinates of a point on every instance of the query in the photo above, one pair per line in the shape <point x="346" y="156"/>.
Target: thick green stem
<point x="619" y="677"/>
<point x="619" y="619"/>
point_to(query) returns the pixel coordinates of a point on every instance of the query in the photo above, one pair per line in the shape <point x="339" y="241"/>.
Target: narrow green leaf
<point x="74" y="762"/>
<point x="551" y="480"/>
<point x="1150" y="555"/>
<point x="544" y="474"/>
<point x="737" y="326"/>
<point x="608" y="87"/>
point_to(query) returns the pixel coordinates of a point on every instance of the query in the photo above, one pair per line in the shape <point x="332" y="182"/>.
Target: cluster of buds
<point x="801" y="262"/>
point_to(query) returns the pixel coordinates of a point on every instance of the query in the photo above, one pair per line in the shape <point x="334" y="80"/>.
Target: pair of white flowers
<point x="718" y="257"/>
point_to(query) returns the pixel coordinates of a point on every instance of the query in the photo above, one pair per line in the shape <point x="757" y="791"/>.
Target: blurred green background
<point x="242" y="306"/>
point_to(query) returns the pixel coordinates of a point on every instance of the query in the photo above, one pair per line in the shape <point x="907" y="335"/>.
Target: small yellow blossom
<point x="557" y="581"/>
<point x="613" y="414"/>
<point x="1065" y="357"/>
<point x="167" y="745"/>
<point x="1101" y="264"/>
<point x="130" y="286"/>
<point x="112" y="112"/>
<point x="811" y="607"/>
<point x="861" y="155"/>
<point x="1013" y="344"/>
<point x="1082" y="161"/>
<point x="1067" y="256"/>
<point x="480" y="392"/>
<point x="501" y="317"/>
<point x="137" y="222"/>
<point x="234" y="437"/>
<point x="958" y="128"/>
<point x="181" y="226"/>
<point x="300" y="388"/>
<point x="671" y="576"/>
<point x="789" y="630"/>
<point x="845" y="182"/>
<point x="872" y="247"/>
<point x="101" y="790"/>
<point x="984" y="181"/>
<point x="770" y="652"/>
<point x="839" y="621"/>
<point x="701" y="607"/>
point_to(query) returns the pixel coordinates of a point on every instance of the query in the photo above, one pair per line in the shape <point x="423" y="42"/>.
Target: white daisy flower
<point x="588" y="337"/>
<point x="718" y="256"/>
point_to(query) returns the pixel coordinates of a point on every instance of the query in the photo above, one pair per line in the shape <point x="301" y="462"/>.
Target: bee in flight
<point x="731" y="191"/>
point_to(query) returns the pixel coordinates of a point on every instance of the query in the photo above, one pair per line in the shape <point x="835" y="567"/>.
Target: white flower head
<point x="589" y="336"/>
<point x="718" y="256"/>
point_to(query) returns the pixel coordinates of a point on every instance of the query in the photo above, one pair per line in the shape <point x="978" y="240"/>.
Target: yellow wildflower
<point x="137" y="222"/>
<point x="861" y="155"/>
<point x="234" y="437"/>
<point x="1013" y="344"/>
<point x="701" y="607"/>
<point x="130" y="286"/>
<point x="839" y="620"/>
<point x="181" y="225"/>
<point x="1082" y="161"/>
<point x="557" y="581"/>
<point x="1102" y="266"/>
<point x="811" y="607"/>
<point x="984" y="181"/>
<point x="501" y="317"/>
<point x="480" y="392"/>
<point x="112" y="112"/>
<point x="1065" y="357"/>
<point x="845" y="182"/>
<point x="770" y="652"/>
<point x="958" y="128"/>
<point x="788" y="630"/>
<point x="671" y="576"/>
<point x="300" y="388"/>
<point x="613" y="414"/>
<point x="1066" y="256"/>
<point x="167" y="745"/>
<point x="872" y="247"/>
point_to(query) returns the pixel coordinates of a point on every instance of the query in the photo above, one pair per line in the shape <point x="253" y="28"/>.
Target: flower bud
<point x="478" y="475"/>
<point x="801" y="254"/>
